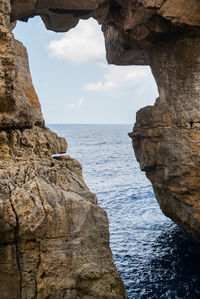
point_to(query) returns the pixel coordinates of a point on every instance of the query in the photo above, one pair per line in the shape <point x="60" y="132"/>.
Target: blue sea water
<point x="154" y="257"/>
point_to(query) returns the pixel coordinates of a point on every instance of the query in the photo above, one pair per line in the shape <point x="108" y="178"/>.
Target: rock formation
<point x="164" y="34"/>
<point x="49" y="219"/>
<point x="54" y="239"/>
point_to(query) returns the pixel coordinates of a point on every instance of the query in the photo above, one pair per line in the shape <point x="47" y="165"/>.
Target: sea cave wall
<point x="54" y="238"/>
<point x="49" y="219"/>
<point x="163" y="34"/>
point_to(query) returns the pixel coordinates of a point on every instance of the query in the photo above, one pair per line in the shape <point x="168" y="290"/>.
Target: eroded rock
<point x="54" y="239"/>
<point x="49" y="218"/>
<point x="19" y="104"/>
<point x="166" y="136"/>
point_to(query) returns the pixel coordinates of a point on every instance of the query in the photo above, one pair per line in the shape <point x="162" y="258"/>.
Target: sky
<point x="75" y="84"/>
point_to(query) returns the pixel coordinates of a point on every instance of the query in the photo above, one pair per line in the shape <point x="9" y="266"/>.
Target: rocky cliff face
<point x="166" y="136"/>
<point x="19" y="105"/>
<point x="54" y="239"/>
<point x="49" y="218"/>
<point x="164" y="34"/>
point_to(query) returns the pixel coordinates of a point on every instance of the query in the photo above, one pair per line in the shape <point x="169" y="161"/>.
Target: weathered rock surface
<point x="54" y="239"/>
<point x="49" y="219"/>
<point x="166" y="136"/>
<point x="165" y="35"/>
<point x="19" y="105"/>
<point x="131" y="27"/>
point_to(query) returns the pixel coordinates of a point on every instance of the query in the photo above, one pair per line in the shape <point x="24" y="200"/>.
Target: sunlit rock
<point x="54" y="239"/>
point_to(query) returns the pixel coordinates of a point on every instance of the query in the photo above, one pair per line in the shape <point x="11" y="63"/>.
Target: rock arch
<point x="47" y="237"/>
<point x="164" y="35"/>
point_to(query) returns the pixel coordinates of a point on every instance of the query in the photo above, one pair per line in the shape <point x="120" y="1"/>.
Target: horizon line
<point x="107" y="124"/>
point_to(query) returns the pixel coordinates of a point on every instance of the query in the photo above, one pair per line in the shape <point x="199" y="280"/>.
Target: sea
<point x="154" y="257"/>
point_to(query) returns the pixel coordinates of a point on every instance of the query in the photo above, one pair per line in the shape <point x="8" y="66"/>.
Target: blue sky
<point x="73" y="80"/>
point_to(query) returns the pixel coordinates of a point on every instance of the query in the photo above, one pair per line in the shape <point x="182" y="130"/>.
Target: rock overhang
<point x="131" y="27"/>
<point x="161" y="33"/>
<point x="165" y="35"/>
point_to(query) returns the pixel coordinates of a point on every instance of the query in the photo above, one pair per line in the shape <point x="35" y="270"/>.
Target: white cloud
<point x="82" y="43"/>
<point x="121" y="79"/>
<point x="78" y="105"/>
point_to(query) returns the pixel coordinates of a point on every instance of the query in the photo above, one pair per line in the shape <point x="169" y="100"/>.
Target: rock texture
<point x="165" y="35"/>
<point x="54" y="239"/>
<point x="49" y="219"/>
<point x="166" y="135"/>
<point x="19" y="105"/>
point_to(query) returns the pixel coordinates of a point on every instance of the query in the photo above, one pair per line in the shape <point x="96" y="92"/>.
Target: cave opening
<point x="67" y="86"/>
<point x="154" y="137"/>
<point x="72" y="67"/>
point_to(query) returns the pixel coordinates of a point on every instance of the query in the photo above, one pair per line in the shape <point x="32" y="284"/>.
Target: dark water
<point x="154" y="258"/>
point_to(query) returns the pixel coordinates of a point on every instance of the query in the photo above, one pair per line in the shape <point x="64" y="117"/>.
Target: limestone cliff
<point x="164" y="34"/>
<point x="19" y="105"/>
<point x="54" y="239"/>
<point x="49" y="218"/>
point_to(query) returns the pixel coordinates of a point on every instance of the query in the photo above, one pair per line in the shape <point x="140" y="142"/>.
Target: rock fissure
<point x="16" y="243"/>
<point x="38" y="269"/>
<point x="42" y="202"/>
